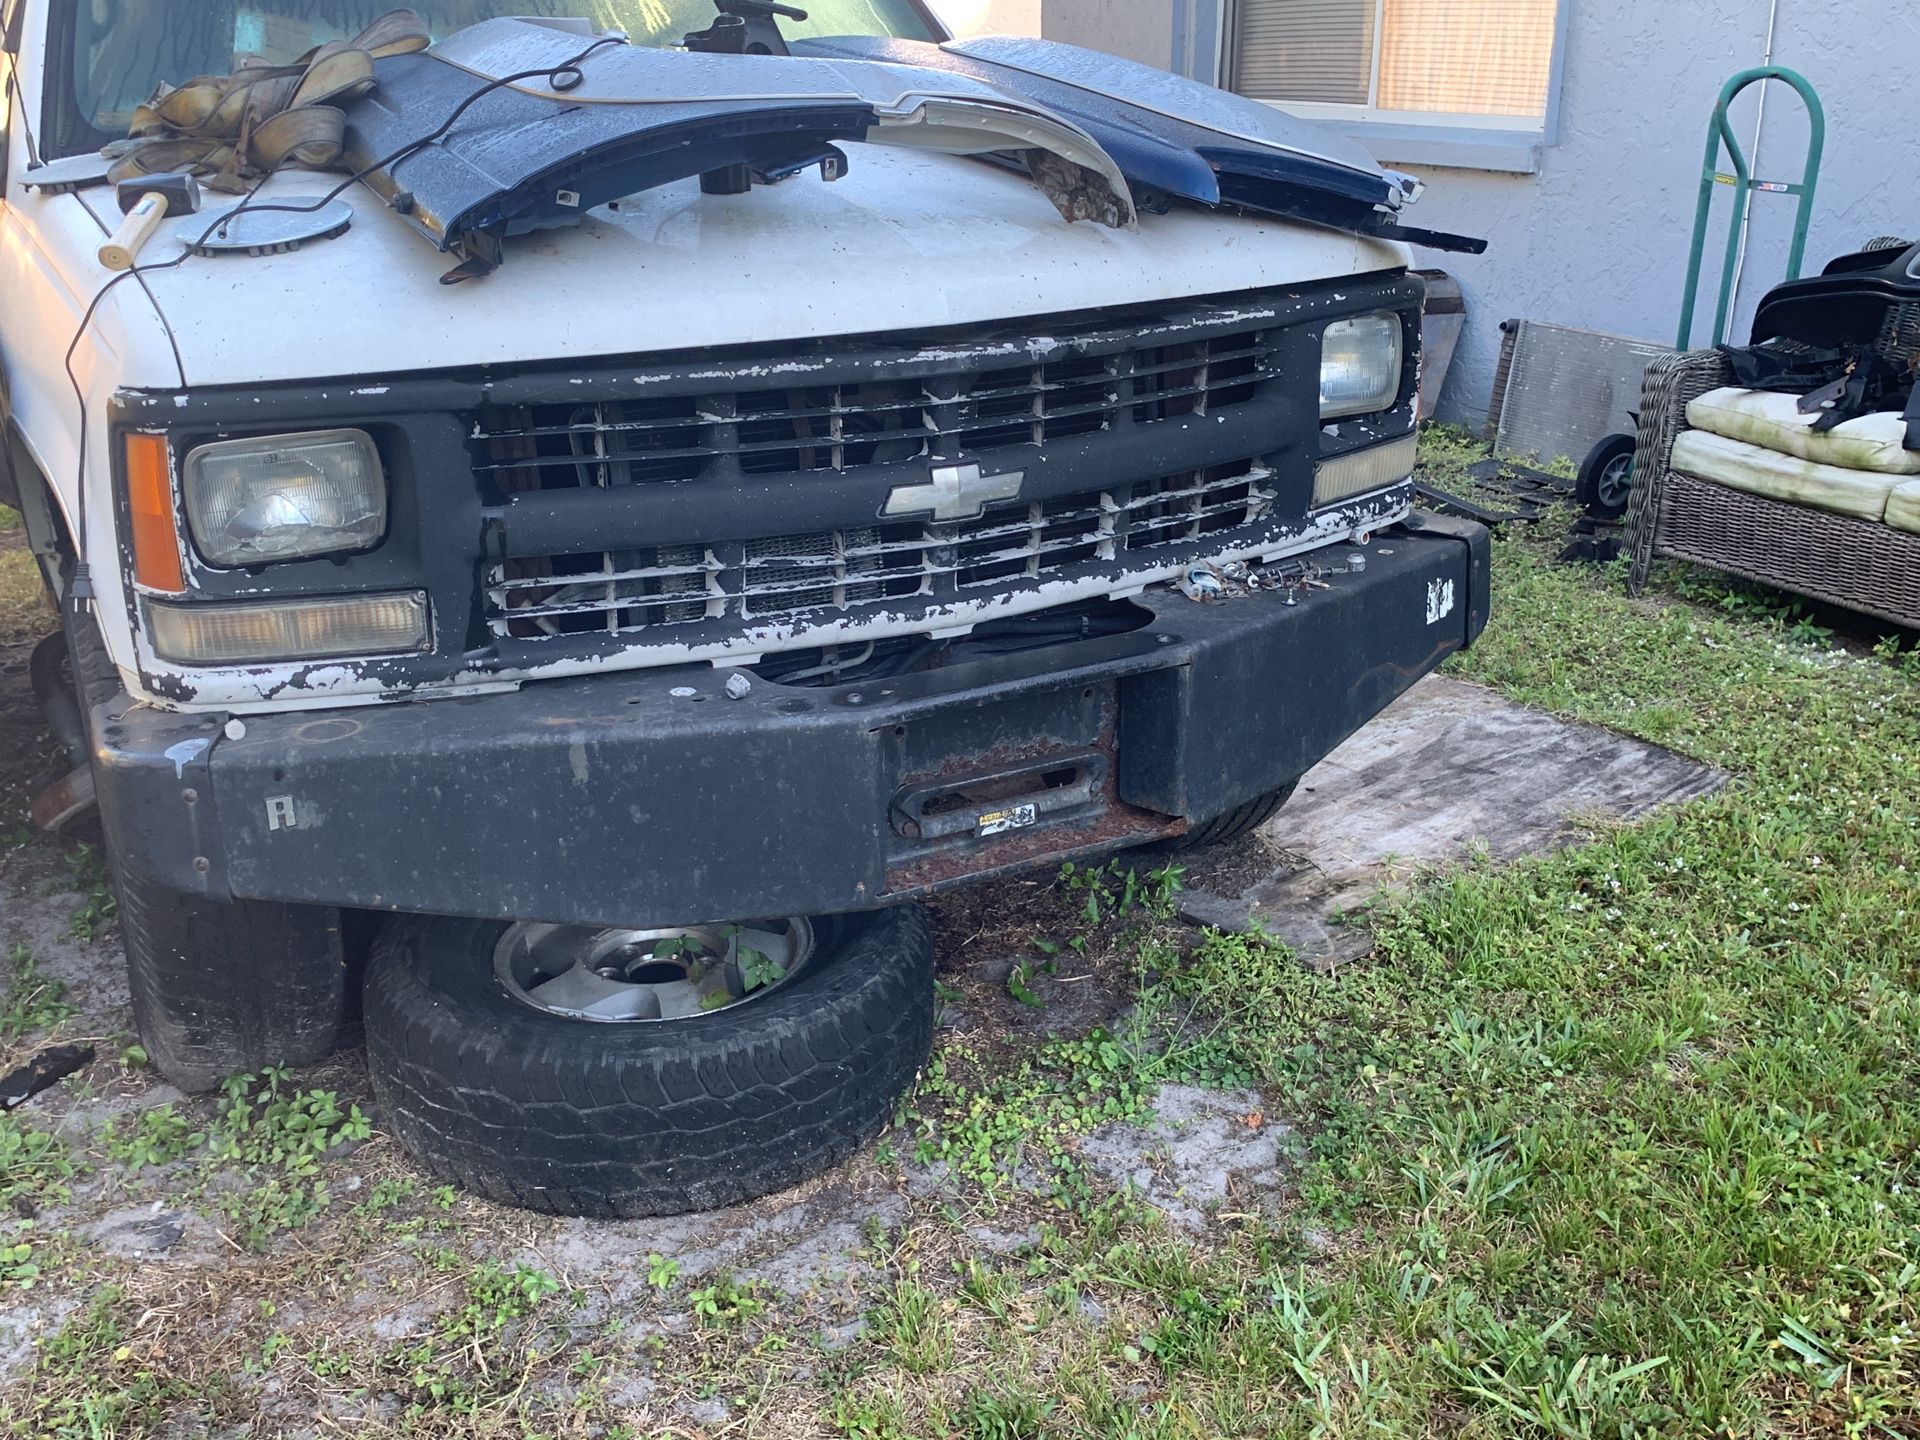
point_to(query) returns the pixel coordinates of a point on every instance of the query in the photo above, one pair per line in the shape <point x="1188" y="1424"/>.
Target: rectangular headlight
<point x="1364" y="471"/>
<point x="1360" y="364"/>
<point x="210" y="634"/>
<point x="286" y="497"/>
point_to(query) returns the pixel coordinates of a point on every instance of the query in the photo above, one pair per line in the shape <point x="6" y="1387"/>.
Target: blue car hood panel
<point x="526" y="151"/>
<point x="550" y="124"/>
<point x="1142" y="88"/>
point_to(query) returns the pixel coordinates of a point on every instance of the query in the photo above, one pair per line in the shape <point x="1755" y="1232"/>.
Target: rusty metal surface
<point x="1067" y="728"/>
<point x="1122" y="826"/>
<point x="64" y="801"/>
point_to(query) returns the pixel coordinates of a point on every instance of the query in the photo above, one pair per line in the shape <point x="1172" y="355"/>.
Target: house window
<point x="1478" y="63"/>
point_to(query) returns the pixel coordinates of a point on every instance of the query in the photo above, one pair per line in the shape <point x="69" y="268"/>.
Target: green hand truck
<point x="1720" y="133"/>
<point x="1606" y="476"/>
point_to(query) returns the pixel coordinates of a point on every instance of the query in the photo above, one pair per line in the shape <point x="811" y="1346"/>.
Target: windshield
<point x="116" y="52"/>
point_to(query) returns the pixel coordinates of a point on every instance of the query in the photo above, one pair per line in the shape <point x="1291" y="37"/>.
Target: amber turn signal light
<point x="156" y="529"/>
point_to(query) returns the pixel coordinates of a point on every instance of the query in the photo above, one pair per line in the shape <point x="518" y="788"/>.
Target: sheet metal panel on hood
<point x="1178" y="140"/>
<point x="545" y="130"/>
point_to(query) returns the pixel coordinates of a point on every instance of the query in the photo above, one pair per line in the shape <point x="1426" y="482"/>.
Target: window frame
<point x="1464" y="141"/>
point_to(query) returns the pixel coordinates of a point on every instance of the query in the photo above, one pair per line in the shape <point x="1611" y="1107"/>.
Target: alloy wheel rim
<point x="615" y="976"/>
<point x="1616" y="481"/>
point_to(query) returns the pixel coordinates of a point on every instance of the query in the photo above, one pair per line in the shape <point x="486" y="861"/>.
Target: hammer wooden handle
<point x="124" y="248"/>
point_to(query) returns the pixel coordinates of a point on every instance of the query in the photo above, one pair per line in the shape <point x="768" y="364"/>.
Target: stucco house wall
<point x="991" y="17"/>
<point x="1137" y="29"/>
<point x="1598" y="236"/>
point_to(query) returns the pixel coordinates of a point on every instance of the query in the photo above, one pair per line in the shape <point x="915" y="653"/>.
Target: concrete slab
<point x="1451" y="770"/>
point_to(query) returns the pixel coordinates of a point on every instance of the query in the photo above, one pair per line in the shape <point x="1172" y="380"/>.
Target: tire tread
<point x="219" y="987"/>
<point x="1242" y="820"/>
<point x="573" y="1118"/>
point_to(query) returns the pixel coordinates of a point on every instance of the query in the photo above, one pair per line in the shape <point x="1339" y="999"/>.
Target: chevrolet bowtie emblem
<point x="955" y="492"/>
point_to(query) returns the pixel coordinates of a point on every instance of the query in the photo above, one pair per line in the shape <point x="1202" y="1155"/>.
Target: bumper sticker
<point x="999" y="822"/>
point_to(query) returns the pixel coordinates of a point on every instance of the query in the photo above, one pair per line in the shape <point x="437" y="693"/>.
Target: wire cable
<point x="1759" y="133"/>
<point x="564" y="77"/>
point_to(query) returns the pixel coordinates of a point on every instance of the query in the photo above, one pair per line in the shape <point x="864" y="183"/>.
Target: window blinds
<point x="1465" y="57"/>
<point x="1468" y="57"/>
<point x="1312" y="50"/>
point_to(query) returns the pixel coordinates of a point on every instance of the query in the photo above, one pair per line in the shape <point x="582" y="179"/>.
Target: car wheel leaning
<point x="623" y="1073"/>
<point x="1606" y="477"/>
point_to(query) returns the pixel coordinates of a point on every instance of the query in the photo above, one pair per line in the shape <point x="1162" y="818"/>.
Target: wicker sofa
<point x="1858" y="563"/>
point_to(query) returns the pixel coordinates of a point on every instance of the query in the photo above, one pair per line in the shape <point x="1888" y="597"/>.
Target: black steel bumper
<point x="624" y="799"/>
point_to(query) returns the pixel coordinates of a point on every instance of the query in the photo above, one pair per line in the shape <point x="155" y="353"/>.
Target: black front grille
<point x="792" y="577"/>
<point x="804" y="428"/>
<point x="737" y="502"/>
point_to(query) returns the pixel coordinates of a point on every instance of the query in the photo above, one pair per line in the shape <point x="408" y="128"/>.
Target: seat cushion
<point x="1903" y="507"/>
<point x="1740" y="466"/>
<point x="1774" y="422"/>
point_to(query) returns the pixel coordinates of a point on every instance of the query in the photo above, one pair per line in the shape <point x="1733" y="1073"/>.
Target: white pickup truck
<point x="581" y="672"/>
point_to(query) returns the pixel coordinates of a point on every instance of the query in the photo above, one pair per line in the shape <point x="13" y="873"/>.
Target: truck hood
<point x="906" y="240"/>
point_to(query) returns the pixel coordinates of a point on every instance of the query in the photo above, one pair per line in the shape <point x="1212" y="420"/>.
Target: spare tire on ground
<point x="618" y="1074"/>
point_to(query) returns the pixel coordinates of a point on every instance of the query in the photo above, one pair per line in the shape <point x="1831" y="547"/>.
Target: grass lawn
<point x="1623" y="1141"/>
<point x="23" y="610"/>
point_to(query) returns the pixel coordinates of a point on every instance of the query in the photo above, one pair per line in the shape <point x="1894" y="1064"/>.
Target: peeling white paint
<point x="184" y="754"/>
<point x="329" y="677"/>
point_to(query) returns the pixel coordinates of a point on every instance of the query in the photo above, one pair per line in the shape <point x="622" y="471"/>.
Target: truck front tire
<point x="219" y="987"/>
<point x="569" y="1116"/>
<point x="229" y="989"/>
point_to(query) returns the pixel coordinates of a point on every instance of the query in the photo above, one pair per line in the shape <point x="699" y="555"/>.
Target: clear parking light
<point x="286" y="497"/>
<point x="1364" y="471"/>
<point x="212" y="634"/>
<point x="1360" y="364"/>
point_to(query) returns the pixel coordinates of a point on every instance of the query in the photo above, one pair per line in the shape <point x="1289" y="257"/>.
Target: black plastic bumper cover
<point x="651" y="798"/>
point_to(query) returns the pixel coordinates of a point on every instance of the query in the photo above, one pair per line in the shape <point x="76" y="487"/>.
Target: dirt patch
<point x="29" y="758"/>
<point x="1209" y="1156"/>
